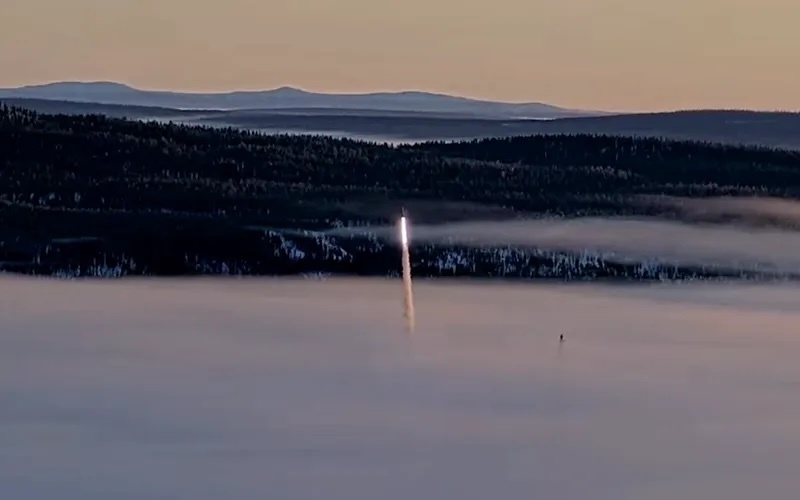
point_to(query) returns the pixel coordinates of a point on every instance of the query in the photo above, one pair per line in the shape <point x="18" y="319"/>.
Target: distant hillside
<point x="285" y="97"/>
<point x="777" y="130"/>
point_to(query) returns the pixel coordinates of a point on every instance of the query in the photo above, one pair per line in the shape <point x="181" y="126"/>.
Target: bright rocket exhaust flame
<point x="408" y="294"/>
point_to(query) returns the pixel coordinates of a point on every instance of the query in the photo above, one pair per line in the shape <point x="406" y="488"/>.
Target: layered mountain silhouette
<point x="399" y="117"/>
<point x="288" y="98"/>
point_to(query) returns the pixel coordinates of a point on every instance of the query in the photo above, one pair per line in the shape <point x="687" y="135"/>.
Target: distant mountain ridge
<point x="288" y="97"/>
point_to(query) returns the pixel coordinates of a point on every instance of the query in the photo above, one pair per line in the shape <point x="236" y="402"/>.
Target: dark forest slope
<point x="88" y="193"/>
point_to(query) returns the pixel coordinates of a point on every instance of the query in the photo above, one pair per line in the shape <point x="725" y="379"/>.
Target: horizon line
<point x="300" y="89"/>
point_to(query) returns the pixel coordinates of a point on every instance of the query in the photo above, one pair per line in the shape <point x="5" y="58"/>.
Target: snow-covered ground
<point x="300" y="389"/>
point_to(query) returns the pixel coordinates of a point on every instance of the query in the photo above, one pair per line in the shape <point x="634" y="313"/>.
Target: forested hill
<point x="661" y="163"/>
<point x="83" y="191"/>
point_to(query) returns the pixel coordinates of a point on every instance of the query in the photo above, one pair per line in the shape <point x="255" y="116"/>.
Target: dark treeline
<point x="162" y="192"/>
<point x="648" y="165"/>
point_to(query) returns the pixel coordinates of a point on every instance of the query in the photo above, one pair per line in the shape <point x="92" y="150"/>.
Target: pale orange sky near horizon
<point x="598" y="54"/>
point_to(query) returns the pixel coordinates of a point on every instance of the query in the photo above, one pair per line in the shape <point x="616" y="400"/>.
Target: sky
<point x="590" y="54"/>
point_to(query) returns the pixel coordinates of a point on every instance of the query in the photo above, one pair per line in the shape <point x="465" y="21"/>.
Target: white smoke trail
<point x="408" y="294"/>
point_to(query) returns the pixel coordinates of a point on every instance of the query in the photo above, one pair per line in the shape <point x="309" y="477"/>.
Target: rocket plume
<point x="408" y="294"/>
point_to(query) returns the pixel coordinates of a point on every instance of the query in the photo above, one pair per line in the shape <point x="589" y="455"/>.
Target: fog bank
<point x="624" y="239"/>
<point x="752" y="210"/>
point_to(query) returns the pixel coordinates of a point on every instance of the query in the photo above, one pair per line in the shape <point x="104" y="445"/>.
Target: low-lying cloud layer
<point x="288" y="389"/>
